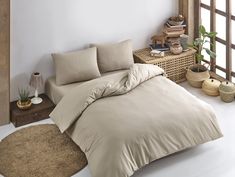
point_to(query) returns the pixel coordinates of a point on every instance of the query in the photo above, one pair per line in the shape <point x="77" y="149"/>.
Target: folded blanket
<point x="127" y="120"/>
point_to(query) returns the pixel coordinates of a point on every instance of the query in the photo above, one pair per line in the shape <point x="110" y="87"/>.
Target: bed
<point x="124" y="120"/>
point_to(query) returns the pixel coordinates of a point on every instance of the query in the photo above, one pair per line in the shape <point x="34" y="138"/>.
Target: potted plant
<point x="197" y="73"/>
<point x="24" y="101"/>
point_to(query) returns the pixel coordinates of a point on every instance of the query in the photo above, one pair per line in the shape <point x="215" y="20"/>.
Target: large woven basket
<point x="174" y="65"/>
<point x="196" y="79"/>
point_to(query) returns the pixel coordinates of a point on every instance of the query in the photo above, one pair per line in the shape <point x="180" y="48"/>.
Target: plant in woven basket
<point x="199" y="45"/>
<point x="197" y="73"/>
<point x="24" y="101"/>
<point x="23" y="94"/>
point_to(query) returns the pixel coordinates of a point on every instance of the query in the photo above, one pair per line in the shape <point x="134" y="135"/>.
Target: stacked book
<point x="174" y="31"/>
<point x="159" y="47"/>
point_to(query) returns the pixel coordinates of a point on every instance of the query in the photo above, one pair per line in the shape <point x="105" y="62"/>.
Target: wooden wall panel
<point x="4" y="61"/>
<point x="186" y="8"/>
<point x="197" y="17"/>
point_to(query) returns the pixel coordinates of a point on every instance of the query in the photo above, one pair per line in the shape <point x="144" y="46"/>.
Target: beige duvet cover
<point x="127" y="120"/>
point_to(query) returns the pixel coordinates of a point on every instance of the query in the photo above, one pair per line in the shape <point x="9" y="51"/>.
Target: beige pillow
<point x="76" y="66"/>
<point x="113" y="57"/>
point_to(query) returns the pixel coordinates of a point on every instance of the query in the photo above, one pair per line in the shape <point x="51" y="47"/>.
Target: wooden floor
<point x="214" y="159"/>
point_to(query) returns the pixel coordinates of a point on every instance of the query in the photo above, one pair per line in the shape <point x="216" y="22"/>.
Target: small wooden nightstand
<point x="34" y="114"/>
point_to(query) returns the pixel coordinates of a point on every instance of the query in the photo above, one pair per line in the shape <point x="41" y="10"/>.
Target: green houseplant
<point x="197" y="73"/>
<point x="24" y="101"/>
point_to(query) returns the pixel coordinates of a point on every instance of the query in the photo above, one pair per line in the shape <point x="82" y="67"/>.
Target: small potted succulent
<point x="24" y="101"/>
<point x="197" y="73"/>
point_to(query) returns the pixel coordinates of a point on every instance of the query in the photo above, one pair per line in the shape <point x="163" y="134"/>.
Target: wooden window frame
<point x="228" y="42"/>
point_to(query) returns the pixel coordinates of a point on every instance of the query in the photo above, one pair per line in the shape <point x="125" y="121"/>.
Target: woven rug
<point x="40" y="151"/>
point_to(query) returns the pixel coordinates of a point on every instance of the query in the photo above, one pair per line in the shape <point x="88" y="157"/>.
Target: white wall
<point x="40" y="27"/>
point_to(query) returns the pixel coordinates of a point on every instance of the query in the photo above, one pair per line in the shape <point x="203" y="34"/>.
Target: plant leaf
<point x="197" y="41"/>
<point x="211" y="53"/>
<point x="202" y="30"/>
<point x="212" y="34"/>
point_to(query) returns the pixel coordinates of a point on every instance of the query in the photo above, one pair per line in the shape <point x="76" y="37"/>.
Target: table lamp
<point x="36" y="82"/>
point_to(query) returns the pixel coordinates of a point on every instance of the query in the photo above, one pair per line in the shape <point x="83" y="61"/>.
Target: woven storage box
<point x="174" y="65"/>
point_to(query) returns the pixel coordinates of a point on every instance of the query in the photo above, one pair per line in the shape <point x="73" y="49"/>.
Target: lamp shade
<point x="36" y="80"/>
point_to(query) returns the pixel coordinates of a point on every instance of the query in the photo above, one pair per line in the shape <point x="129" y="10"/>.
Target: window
<point x="219" y="16"/>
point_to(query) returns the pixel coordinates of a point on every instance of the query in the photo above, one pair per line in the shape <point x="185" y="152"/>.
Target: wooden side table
<point x="34" y="114"/>
<point x="174" y="65"/>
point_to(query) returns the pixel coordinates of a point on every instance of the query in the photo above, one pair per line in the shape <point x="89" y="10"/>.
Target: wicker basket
<point x="211" y="87"/>
<point x="227" y="97"/>
<point x="227" y="91"/>
<point x="196" y="79"/>
<point x="174" y="65"/>
<point x="24" y="105"/>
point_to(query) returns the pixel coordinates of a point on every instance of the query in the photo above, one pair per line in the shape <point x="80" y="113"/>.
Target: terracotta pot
<point x="24" y="105"/>
<point x="196" y="75"/>
<point x="176" y="48"/>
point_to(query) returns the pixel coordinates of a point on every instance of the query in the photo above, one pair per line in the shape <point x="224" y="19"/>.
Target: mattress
<point x="56" y="92"/>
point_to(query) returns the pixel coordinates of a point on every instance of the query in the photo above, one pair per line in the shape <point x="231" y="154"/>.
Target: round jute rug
<point x="40" y="151"/>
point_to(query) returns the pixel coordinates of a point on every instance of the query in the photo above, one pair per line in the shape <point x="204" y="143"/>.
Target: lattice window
<point x="219" y="16"/>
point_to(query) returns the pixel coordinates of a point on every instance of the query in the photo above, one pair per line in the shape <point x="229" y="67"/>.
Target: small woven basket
<point x="211" y="87"/>
<point x="24" y="105"/>
<point x="227" y="91"/>
<point x="227" y="97"/>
